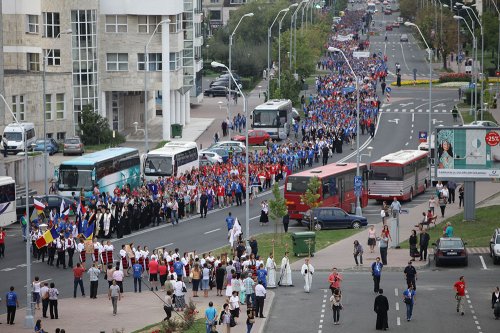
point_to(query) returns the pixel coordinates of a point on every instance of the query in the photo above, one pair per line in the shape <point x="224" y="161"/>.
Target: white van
<point x="15" y="136"/>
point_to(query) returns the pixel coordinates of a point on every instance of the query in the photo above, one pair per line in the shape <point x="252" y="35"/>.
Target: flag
<point x="23" y="219"/>
<point x="34" y="215"/>
<point x="46" y="238"/>
<point x="64" y="210"/>
<point x="89" y="231"/>
<point x="81" y="209"/>
<point x="40" y="206"/>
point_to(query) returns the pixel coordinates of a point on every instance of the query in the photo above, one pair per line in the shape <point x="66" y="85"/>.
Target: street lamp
<point x="230" y="62"/>
<point x="279" y="47"/>
<point x="28" y="319"/>
<point x="410" y="24"/>
<point x="44" y="107"/>
<point x="482" y="56"/>
<point x="335" y="49"/>
<point x="498" y="51"/>
<point x="146" y="70"/>
<point x="294" y="21"/>
<point x="474" y="68"/>
<point x="269" y="49"/>
<point x="216" y="64"/>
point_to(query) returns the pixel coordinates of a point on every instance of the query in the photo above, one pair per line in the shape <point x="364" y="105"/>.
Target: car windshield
<point x="386" y="173"/>
<point x="13" y="136"/>
<point x="297" y="184"/>
<point x="450" y="244"/>
<point x="158" y="166"/>
<point x="73" y="141"/>
<point x="498" y="240"/>
<point x="72" y="179"/>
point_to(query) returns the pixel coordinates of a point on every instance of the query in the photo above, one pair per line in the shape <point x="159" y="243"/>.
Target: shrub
<point x="454" y="77"/>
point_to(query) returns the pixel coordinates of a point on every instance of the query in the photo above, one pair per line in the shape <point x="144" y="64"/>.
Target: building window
<point x="51" y="25"/>
<point x="33" y="62"/>
<point x="32" y="24"/>
<point x="214" y="1"/>
<point x="215" y="15"/>
<point x="154" y="62"/>
<point x="147" y="24"/>
<point x="60" y="106"/>
<point x="53" y="57"/>
<point x="116" y="23"/>
<point x="175" y="61"/>
<point x="18" y="107"/>
<point x="48" y="106"/>
<point x="117" y="62"/>
<point x="175" y="23"/>
<point x="61" y="136"/>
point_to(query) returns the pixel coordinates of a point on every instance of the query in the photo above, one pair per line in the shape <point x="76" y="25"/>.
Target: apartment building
<point x="218" y="11"/>
<point x="94" y="53"/>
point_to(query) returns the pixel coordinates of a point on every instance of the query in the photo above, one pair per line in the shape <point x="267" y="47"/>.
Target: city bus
<point x="425" y="147"/>
<point x="275" y="117"/>
<point x="173" y="159"/>
<point x="105" y="169"/>
<point x="7" y="201"/>
<point x="337" y="188"/>
<point x="402" y="174"/>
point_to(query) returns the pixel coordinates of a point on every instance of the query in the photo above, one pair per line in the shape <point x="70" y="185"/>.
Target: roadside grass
<point x="283" y="242"/>
<point x="468" y="118"/>
<point x="475" y="234"/>
<point x="198" y="326"/>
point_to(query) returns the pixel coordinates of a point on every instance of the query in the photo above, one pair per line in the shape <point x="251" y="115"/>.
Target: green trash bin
<point x="176" y="130"/>
<point x="304" y="243"/>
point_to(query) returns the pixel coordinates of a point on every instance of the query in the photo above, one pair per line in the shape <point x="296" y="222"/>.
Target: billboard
<point x="468" y="153"/>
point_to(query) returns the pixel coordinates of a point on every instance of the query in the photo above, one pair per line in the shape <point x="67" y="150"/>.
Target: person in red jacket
<point x="2" y="243"/>
<point x="460" y="296"/>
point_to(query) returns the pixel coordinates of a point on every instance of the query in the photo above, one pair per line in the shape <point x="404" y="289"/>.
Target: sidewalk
<point x="135" y="311"/>
<point x="340" y="254"/>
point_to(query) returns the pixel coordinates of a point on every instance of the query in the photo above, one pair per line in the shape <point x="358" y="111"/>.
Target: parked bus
<point x="275" y="117"/>
<point x="425" y="147"/>
<point x="105" y="169"/>
<point x="7" y="201"/>
<point x="337" y="188"/>
<point x="402" y="174"/>
<point x="173" y="159"/>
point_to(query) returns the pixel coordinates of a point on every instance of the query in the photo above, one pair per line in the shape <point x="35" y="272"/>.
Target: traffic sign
<point x="358" y="185"/>
<point x="422" y="136"/>
<point x="497" y="73"/>
<point x="388" y="89"/>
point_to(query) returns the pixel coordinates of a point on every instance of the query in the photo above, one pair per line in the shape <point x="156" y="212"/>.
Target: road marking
<point x="397" y="306"/>
<point x="482" y="262"/>
<point x="22" y="265"/>
<point x="406" y="144"/>
<point x="398" y="321"/>
<point x="412" y="118"/>
<point x="253" y="218"/>
<point x="396" y="292"/>
<point x="7" y="269"/>
<point x="166" y="245"/>
<point x="209" y="232"/>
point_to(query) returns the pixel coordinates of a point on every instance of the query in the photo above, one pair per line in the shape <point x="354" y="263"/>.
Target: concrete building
<point x="218" y="11"/>
<point x="98" y="59"/>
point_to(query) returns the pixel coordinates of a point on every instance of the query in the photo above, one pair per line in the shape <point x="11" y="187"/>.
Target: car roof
<point x="451" y="239"/>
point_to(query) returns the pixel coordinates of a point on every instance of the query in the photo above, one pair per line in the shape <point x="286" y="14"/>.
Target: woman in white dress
<point x="271" y="271"/>
<point x="286" y="272"/>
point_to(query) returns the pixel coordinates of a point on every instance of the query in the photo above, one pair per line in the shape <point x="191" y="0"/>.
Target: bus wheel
<point x="356" y="225"/>
<point x="318" y="226"/>
<point x="411" y="194"/>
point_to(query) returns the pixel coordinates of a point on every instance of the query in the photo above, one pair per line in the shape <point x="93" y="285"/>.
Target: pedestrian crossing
<point x="396" y="110"/>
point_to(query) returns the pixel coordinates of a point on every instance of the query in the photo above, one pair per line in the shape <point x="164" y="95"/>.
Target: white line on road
<point x="482" y="262"/>
<point x="398" y="321"/>
<point x="7" y="269"/>
<point x="166" y="245"/>
<point x="412" y="117"/>
<point x="209" y="232"/>
<point x="253" y="218"/>
<point x="397" y="306"/>
<point x="396" y="292"/>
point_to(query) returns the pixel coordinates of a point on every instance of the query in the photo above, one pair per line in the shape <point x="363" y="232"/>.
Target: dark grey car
<point x="73" y="146"/>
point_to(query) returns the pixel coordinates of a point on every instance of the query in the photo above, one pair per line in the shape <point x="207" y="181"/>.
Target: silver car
<point x="403" y="38"/>
<point x="73" y="146"/>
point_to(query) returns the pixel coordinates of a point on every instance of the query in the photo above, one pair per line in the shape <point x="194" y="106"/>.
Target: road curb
<point x="262" y="328"/>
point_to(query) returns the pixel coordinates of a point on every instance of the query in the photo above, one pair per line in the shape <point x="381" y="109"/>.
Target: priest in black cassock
<point x="381" y="307"/>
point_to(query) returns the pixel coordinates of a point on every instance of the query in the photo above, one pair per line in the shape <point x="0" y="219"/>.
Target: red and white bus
<point x="402" y="174"/>
<point x="337" y="188"/>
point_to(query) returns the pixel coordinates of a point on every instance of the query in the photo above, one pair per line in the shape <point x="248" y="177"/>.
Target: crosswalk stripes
<point x="396" y="110"/>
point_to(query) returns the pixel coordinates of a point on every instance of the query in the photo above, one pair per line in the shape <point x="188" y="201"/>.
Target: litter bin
<point x="176" y="130"/>
<point x="304" y="243"/>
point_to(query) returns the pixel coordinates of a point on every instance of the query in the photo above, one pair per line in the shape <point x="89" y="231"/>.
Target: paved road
<point x="434" y="310"/>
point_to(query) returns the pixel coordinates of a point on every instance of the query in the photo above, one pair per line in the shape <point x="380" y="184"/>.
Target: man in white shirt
<point x="260" y="296"/>
<point x="307" y="272"/>
<point x="94" y="272"/>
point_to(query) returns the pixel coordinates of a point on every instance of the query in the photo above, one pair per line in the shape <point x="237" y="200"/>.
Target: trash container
<point x="304" y="243"/>
<point x="176" y="130"/>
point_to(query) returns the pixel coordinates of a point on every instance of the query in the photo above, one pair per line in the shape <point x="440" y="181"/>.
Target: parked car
<point x="395" y="24"/>
<point x="51" y="146"/>
<point x="255" y="137"/>
<point x="51" y="201"/>
<point x="227" y="76"/>
<point x="333" y="218"/>
<point x="483" y="123"/>
<point x="450" y="250"/>
<point x="403" y="38"/>
<point x="495" y="246"/>
<point x="211" y="155"/>
<point x="73" y="146"/>
<point x="220" y="91"/>
<point x="222" y="152"/>
<point x="204" y="161"/>
<point x="224" y="82"/>
<point x="228" y="144"/>
<point x="388" y="27"/>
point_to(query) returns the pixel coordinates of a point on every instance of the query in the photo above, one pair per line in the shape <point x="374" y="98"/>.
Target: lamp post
<point x="294" y="22"/>
<point x="474" y="42"/>
<point x="28" y="319"/>
<point x="44" y="107"/>
<point x="334" y="49"/>
<point x="269" y="30"/>
<point x="216" y="64"/>
<point x="498" y="50"/>
<point x="410" y="24"/>
<point x="146" y="70"/>
<point x="279" y="47"/>
<point x="230" y="62"/>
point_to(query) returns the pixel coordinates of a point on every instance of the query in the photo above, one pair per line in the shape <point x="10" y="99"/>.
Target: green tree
<point x="311" y="198"/>
<point x="94" y="129"/>
<point x="277" y="207"/>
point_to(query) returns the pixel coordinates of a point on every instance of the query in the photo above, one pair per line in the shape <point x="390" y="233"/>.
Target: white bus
<point x="425" y="147"/>
<point x="173" y="159"/>
<point x="402" y="174"/>
<point x="274" y="117"/>
<point x="7" y="201"/>
<point x="17" y="134"/>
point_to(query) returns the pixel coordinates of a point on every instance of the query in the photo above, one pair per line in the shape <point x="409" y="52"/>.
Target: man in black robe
<point x="381" y="307"/>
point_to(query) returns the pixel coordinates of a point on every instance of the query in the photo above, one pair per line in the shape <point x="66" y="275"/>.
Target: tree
<point x="311" y="197"/>
<point x="94" y="129"/>
<point x="277" y="207"/>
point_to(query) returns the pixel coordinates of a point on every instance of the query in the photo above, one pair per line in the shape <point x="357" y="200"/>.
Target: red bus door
<point x="341" y="192"/>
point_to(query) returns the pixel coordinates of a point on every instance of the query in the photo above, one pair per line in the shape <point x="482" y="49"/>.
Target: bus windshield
<point x="268" y="118"/>
<point x="14" y="136"/>
<point x="158" y="166"/>
<point x="379" y="172"/>
<point x="73" y="179"/>
<point x="297" y="184"/>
